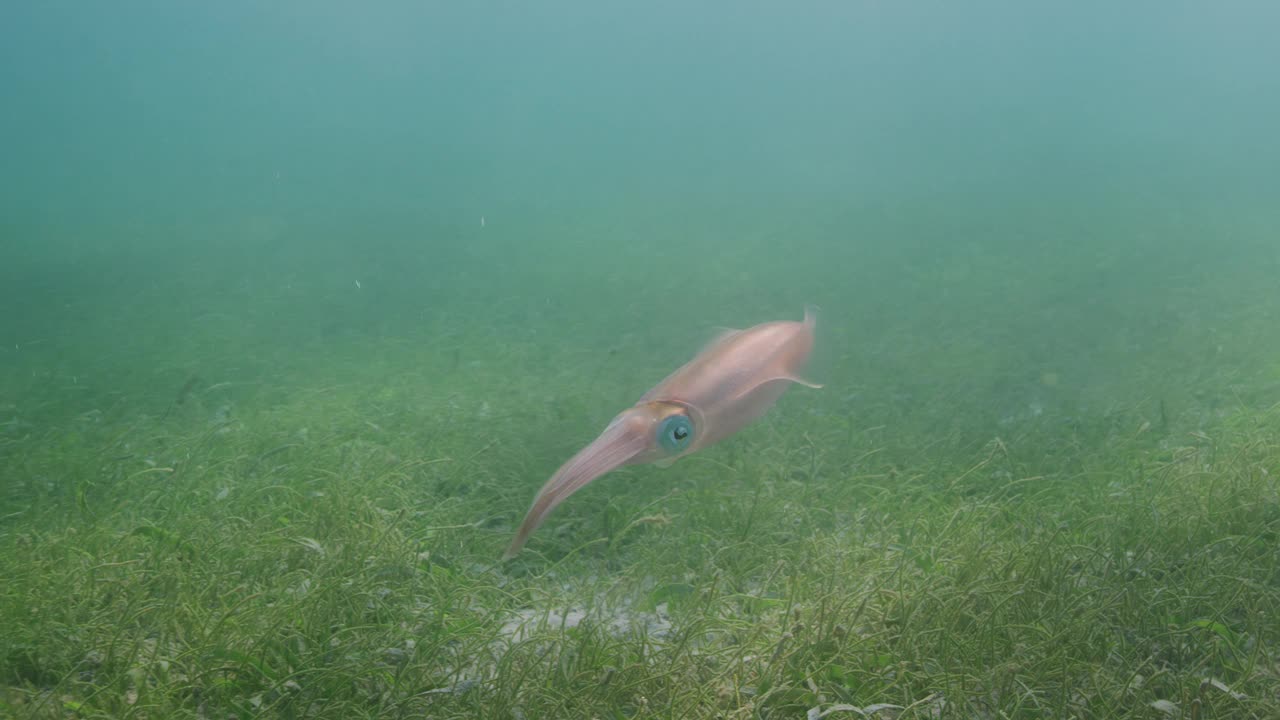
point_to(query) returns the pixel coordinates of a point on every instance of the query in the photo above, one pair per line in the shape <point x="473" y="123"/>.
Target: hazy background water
<point x="1007" y="211"/>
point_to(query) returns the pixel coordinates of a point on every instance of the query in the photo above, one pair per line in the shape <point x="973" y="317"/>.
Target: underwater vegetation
<point x="295" y="521"/>
<point x="314" y="317"/>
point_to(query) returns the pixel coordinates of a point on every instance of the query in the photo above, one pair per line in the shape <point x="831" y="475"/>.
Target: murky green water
<point x="279" y="274"/>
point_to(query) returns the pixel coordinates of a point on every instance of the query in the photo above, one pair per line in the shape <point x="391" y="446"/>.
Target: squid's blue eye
<point x="675" y="433"/>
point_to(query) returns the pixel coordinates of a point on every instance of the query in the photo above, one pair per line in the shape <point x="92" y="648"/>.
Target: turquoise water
<point x="997" y="188"/>
<point x="477" y="231"/>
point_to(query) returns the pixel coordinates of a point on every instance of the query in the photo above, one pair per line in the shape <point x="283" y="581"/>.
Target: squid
<point x="733" y="381"/>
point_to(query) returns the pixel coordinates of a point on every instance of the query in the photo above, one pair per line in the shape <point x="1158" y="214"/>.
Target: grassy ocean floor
<point x="216" y="506"/>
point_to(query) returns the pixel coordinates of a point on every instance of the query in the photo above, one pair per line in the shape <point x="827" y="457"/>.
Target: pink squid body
<point x="738" y="376"/>
<point x="733" y="381"/>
